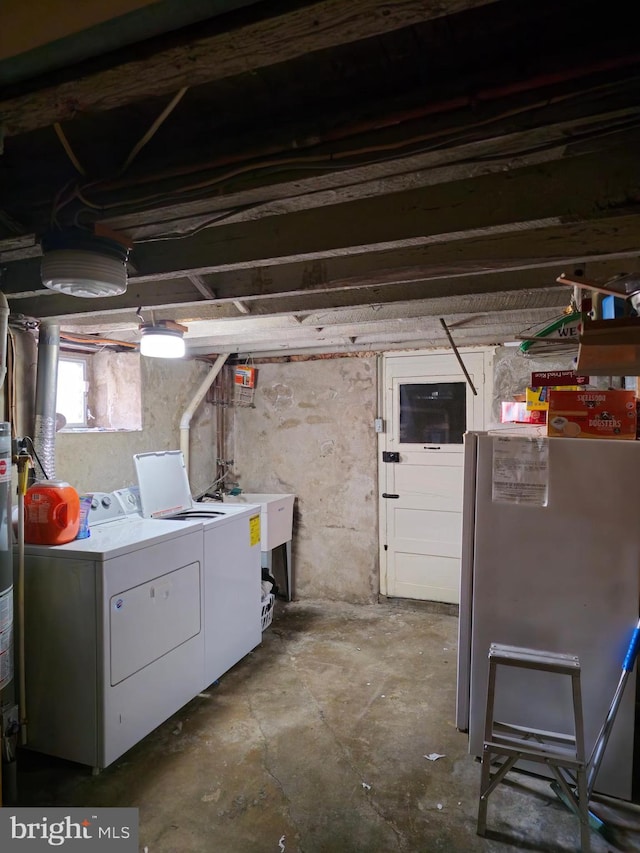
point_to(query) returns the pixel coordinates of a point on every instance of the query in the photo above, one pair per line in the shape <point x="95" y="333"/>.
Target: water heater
<point x="6" y="560"/>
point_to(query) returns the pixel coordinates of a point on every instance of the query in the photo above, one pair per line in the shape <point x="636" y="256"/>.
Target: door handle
<point x="385" y="495"/>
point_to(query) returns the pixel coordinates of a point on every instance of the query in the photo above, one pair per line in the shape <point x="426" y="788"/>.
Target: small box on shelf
<point x="592" y="414"/>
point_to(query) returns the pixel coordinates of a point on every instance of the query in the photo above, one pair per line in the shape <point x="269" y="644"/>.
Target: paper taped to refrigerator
<point x="520" y="471"/>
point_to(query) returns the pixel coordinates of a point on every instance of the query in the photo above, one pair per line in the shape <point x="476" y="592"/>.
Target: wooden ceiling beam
<point x="609" y="244"/>
<point x="371" y="322"/>
<point x="494" y="154"/>
<point x="335" y="283"/>
<point x="529" y="217"/>
<point x="314" y="27"/>
<point x="202" y="287"/>
<point x="470" y="329"/>
<point x="523" y="200"/>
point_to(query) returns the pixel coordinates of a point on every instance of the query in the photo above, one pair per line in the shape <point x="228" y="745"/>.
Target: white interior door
<point x="428" y="406"/>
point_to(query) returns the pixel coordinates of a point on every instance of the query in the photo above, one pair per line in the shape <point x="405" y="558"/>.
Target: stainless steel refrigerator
<point x="551" y="560"/>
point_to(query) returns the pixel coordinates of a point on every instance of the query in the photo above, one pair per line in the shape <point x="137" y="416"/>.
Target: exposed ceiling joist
<point x="313" y="27"/>
<point x="574" y="190"/>
<point x="501" y="263"/>
<point x="470" y="329"/>
<point x="398" y="319"/>
<point x="497" y="154"/>
<point x="201" y="286"/>
<point x="397" y="172"/>
<point x="451" y="215"/>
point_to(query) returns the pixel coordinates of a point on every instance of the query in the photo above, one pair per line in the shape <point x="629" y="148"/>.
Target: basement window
<point x="71" y="401"/>
<point x="99" y="392"/>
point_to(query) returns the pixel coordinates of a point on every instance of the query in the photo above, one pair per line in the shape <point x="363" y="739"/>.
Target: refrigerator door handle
<point x="385" y="495"/>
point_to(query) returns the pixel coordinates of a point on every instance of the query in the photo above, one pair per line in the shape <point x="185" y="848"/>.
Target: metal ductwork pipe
<point x="46" y="389"/>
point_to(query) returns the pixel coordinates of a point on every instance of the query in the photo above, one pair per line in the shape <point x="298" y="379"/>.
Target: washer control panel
<point x="104" y="507"/>
<point x="129" y="500"/>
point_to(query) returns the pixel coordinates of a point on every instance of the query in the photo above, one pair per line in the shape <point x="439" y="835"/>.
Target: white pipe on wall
<point x="185" y="421"/>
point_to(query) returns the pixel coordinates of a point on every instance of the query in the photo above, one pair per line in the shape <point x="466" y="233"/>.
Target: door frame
<point x="393" y="356"/>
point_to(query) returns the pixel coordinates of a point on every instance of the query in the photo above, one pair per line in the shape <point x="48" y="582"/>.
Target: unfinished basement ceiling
<point x="336" y="175"/>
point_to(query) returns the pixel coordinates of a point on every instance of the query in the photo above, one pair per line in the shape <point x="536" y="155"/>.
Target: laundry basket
<point x="267" y="610"/>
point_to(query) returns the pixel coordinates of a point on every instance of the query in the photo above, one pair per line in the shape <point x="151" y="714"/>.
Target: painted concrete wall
<point x="311" y="433"/>
<point x="103" y="461"/>
<point x="115" y="391"/>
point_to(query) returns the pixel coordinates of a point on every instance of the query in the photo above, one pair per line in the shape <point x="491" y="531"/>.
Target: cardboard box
<point x="538" y="397"/>
<point x="245" y="376"/>
<point x="609" y="360"/>
<point x="592" y="414"/>
<point x="557" y="377"/>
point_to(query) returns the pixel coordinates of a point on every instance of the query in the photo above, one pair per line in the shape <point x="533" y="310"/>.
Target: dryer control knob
<point x="106" y="501"/>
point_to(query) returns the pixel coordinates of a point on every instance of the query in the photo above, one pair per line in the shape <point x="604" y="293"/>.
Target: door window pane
<point x="433" y="413"/>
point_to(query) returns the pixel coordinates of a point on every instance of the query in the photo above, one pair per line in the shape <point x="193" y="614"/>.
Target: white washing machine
<point x="114" y="632"/>
<point x="232" y="558"/>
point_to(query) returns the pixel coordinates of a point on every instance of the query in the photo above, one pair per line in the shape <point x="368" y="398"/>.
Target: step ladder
<point x="507" y="743"/>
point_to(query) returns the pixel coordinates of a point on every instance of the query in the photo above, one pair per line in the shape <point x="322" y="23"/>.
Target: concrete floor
<point x="316" y="742"/>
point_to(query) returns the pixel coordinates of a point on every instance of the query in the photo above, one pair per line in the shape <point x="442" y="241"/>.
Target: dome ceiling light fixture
<point x="78" y="262"/>
<point x="162" y="339"/>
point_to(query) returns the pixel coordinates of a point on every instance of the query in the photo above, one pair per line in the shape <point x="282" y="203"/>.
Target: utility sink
<point x="276" y="516"/>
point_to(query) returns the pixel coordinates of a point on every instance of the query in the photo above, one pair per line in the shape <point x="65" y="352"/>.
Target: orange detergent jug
<point x="51" y="513"/>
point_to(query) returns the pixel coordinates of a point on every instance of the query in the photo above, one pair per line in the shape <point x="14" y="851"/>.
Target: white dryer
<point x="232" y="558"/>
<point x="114" y="632"/>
